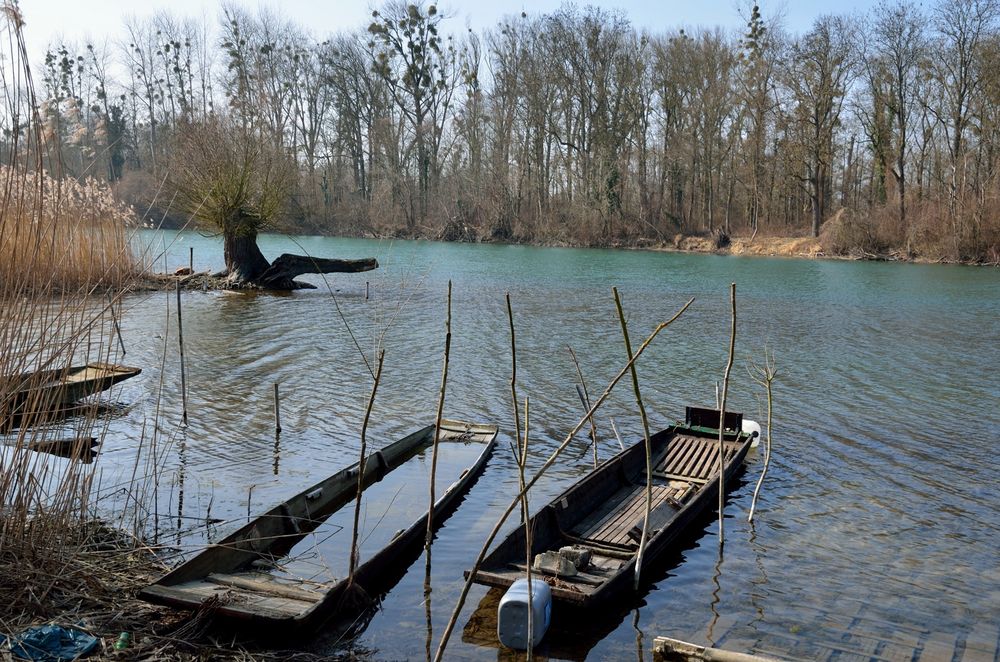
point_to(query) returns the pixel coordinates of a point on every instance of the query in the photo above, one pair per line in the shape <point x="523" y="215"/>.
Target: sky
<point x="48" y="21"/>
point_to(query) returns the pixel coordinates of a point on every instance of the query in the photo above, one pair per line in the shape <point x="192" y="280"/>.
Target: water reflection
<point x="716" y="597"/>
<point x="427" y="604"/>
<point x="639" y="636"/>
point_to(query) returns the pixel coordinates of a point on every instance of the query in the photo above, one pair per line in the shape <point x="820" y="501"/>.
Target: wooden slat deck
<point x="273" y="606"/>
<point x="693" y="457"/>
<point x="613" y="526"/>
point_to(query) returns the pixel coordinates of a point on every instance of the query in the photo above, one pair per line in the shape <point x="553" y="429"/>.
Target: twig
<point x="443" y="644"/>
<point x="722" y="415"/>
<point x="513" y="372"/>
<point x="617" y="436"/>
<point x="437" y="424"/>
<point x="581" y="390"/>
<point x="522" y="463"/>
<point x="763" y="375"/>
<point x="645" y="435"/>
<point x="361" y="468"/>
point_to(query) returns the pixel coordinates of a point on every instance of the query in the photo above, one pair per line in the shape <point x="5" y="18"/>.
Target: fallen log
<point x="282" y="272"/>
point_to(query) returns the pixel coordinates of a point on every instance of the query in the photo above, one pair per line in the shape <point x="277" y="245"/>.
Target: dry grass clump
<point x="88" y="578"/>
<point x="850" y="233"/>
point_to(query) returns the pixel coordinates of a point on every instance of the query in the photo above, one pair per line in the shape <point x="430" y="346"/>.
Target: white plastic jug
<point x="512" y="615"/>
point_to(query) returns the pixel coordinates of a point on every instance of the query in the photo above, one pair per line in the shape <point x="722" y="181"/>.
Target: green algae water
<point x="877" y="529"/>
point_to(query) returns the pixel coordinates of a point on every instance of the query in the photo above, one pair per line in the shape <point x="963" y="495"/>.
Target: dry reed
<point x="64" y="259"/>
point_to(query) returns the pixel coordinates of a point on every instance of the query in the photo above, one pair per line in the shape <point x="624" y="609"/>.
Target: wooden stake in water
<point x="645" y="433"/>
<point x="114" y="320"/>
<point x="437" y="423"/>
<point x="366" y="290"/>
<point x="277" y="411"/>
<point x="191" y="259"/>
<point x="180" y="341"/>
<point x="722" y="413"/>
<point x="763" y="375"/>
<point x="355" y="553"/>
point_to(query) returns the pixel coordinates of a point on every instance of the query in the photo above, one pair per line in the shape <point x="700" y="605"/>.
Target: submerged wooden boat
<point x="34" y="393"/>
<point x="239" y="578"/>
<point x="601" y="516"/>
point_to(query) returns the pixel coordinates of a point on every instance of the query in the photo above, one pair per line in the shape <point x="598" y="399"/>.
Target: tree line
<point x="878" y="132"/>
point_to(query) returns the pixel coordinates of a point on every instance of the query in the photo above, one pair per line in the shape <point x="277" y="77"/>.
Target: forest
<point x="878" y="133"/>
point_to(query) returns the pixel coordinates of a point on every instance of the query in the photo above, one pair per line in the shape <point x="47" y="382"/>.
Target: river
<point x="877" y="527"/>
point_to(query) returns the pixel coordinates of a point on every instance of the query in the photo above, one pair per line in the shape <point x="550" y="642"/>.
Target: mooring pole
<point x="366" y="290"/>
<point x="191" y="259"/>
<point x="180" y="340"/>
<point x="277" y="412"/>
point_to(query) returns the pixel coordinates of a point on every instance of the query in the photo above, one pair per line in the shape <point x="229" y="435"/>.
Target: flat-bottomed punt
<point x="32" y="394"/>
<point x="240" y="578"/>
<point x="601" y="516"/>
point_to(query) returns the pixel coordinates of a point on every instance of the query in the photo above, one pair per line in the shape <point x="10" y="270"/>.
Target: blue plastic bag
<point x="51" y="643"/>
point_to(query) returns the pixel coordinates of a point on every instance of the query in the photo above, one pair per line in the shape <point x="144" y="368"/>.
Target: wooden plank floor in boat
<point x="693" y="458"/>
<point x="687" y="464"/>
<point x="261" y="593"/>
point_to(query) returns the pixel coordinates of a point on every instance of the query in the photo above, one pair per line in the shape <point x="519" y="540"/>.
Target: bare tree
<point x="899" y="39"/>
<point x="819" y="73"/>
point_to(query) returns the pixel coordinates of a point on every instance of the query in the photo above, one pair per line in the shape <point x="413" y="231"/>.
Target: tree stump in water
<point x="282" y="272"/>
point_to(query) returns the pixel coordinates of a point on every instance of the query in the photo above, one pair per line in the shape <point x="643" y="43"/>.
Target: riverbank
<point x="90" y="584"/>
<point x="804" y="247"/>
<point x="795" y="247"/>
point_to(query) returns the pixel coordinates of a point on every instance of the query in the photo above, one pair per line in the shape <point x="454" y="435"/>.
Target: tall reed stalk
<point x="520" y="449"/>
<point x="355" y="552"/>
<point x="437" y="426"/>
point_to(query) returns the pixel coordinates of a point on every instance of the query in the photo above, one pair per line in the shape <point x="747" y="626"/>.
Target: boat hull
<point x="222" y="577"/>
<point x="34" y="394"/>
<point x="603" y="513"/>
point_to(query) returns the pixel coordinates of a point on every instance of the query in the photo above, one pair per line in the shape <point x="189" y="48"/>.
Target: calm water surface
<point x="878" y="522"/>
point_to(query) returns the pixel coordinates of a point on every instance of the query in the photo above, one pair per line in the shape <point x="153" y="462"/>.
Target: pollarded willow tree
<point x="238" y="182"/>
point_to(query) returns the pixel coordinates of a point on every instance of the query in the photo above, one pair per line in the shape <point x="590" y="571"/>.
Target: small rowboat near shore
<point x="244" y="577"/>
<point x="27" y="396"/>
<point x="584" y="543"/>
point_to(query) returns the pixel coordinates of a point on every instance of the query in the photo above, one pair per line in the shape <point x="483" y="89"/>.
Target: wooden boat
<point x="239" y="578"/>
<point x="82" y="449"/>
<point x="35" y="393"/>
<point x="603" y="513"/>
